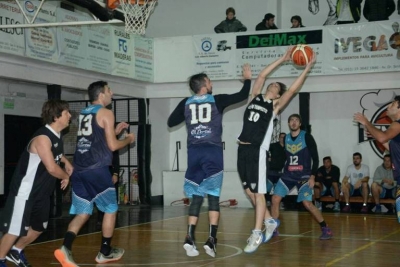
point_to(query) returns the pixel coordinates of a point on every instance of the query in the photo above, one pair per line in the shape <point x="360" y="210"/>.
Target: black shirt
<point x="333" y="175"/>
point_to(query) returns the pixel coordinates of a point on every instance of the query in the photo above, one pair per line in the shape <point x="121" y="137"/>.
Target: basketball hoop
<point x="136" y="12"/>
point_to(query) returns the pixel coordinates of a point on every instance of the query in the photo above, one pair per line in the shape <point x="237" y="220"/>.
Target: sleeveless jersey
<point x="31" y="178"/>
<point x="203" y="121"/>
<point x="394" y="148"/>
<point x="298" y="157"/>
<point x="257" y="122"/>
<point x="92" y="151"/>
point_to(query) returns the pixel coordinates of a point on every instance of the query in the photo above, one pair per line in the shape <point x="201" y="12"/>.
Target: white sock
<point x="17" y="249"/>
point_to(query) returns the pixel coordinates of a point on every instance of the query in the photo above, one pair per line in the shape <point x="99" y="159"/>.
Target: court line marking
<point x="361" y="248"/>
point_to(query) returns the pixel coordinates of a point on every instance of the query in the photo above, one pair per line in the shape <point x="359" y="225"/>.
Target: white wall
<point x="189" y="17"/>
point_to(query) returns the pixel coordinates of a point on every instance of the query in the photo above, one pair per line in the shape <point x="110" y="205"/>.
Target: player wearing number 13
<point x="91" y="179"/>
<point x="203" y="116"/>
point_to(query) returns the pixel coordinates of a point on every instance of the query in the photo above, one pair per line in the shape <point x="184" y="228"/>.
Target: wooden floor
<point x="154" y="237"/>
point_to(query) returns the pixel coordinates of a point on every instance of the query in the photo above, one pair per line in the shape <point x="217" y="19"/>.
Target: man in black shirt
<point x="327" y="183"/>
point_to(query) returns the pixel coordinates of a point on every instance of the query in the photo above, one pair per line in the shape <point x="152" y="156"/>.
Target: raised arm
<point x="295" y="87"/>
<point x="262" y="76"/>
<point x="380" y="136"/>
<point x="178" y="115"/>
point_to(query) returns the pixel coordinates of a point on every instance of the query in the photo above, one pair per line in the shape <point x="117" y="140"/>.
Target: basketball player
<point x="91" y="180"/>
<point x="392" y="134"/>
<point x="254" y="142"/>
<point x="299" y="171"/>
<point x="26" y="213"/>
<point x="202" y="113"/>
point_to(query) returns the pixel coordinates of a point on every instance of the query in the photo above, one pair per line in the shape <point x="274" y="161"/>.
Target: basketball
<point x="301" y="55"/>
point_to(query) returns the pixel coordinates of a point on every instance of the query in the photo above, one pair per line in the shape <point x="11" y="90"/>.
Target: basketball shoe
<point x="211" y="246"/>
<point x="64" y="256"/>
<point x="190" y="247"/>
<point x="115" y="254"/>
<point x="18" y="258"/>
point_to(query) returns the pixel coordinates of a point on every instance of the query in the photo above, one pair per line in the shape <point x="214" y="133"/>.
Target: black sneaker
<point x="18" y="259"/>
<point x="3" y="263"/>
<point x="211" y="246"/>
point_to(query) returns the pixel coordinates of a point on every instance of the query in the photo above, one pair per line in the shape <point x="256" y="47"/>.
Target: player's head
<point x="387" y="161"/>
<point x="327" y="162"/>
<point x="276" y="89"/>
<point x="269" y="20"/>
<point x="54" y="109"/>
<point x="357" y="158"/>
<point x="230" y="13"/>
<point x="296" y="21"/>
<point x="198" y="81"/>
<point x="100" y="91"/>
<point x="294" y="122"/>
<point x="394" y="108"/>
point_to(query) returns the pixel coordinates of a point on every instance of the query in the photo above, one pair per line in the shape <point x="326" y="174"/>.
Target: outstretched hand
<point x="288" y="54"/>
<point x="246" y="71"/>
<point x="313" y="60"/>
<point x="359" y="117"/>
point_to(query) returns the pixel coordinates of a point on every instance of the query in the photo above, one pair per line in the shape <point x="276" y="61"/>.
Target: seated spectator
<point x="230" y="24"/>
<point x="268" y="23"/>
<point x="296" y="22"/>
<point x="383" y="185"/>
<point x="358" y="185"/>
<point x="376" y="10"/>
<point x="348" y="11"/>
<point x="327" y="183"/>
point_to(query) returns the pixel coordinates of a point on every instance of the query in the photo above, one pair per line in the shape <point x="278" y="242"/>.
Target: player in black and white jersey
<point x="254" y="142"/>
<point x="26" y="213"/>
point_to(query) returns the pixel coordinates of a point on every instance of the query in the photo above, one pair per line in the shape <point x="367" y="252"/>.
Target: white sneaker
<point x="253" y="241"/>
<point x="115" y="254"/>
<point x="318" y="205"/>
<point x="190" y="247"/>
<point x="270" y="227"/>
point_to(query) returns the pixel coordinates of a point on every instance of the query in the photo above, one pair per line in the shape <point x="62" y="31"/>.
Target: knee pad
<point x="213" y="203"/>
<point x="195" y="205"/>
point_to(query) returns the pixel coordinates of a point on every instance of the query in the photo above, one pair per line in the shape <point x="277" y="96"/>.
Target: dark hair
<point x="282" y="133"/>
<point x="397" y="98"/>
<point x="197" y="81"/>
<point x="230" y="10"/>
<point x="294" y="116"/>
<point x="268" y="16"/>
<point x="298" y="18"/>
<point x="95" y="89"/>
<point x="357" y="154"/>
<point x="327" y="158"/>
<point x="283" y="88"/>
<point x="388" y="156"/>
<point x="53" y="109"/>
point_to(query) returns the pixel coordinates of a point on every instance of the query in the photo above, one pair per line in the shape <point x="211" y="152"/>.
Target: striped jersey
<point x="31" y="178"/>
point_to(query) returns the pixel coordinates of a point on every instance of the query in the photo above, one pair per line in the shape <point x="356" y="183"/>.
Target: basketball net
<point x="137" y="13"/>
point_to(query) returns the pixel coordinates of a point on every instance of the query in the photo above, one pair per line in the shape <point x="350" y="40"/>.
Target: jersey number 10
<point x="200" y="113"/>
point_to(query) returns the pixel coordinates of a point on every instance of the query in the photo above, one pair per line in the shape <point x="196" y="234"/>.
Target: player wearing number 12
<point x="202" y="113"/>
<point x="91" y="179"/>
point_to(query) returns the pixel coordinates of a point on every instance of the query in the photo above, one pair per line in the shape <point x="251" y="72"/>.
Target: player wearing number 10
<point x="202" y="113"/>
<point x="254" y="141"/>
<point x="91" y="179"/>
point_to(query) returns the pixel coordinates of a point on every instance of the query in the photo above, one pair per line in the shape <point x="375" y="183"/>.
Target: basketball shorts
<point x="19" y="214"/>
<point x="252" y="168"/>
<point x="328" y="190"/>
<point x="205" y="171"/>
<point x="356" y="192"/>
<point x="284" y="186"/>
<point x="273" y="178"/>
<point x="387" y="193"/>
<point x="398" y="202"/>
<point x="93" y="186"/>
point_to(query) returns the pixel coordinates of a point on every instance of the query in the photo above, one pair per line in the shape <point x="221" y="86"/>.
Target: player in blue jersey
<point x="202" y="113"/>
<point x="391" y="140"/>
<point x="254" y="142"/>
<point x="26" y="213"/>
<point x="91" y="179"/>
<point x="300" y="171"/>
